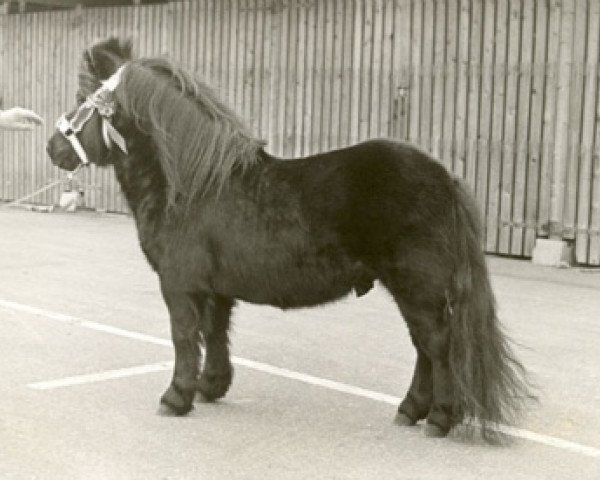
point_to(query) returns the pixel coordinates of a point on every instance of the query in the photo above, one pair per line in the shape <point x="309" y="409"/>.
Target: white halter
<point x="102" y="101"/>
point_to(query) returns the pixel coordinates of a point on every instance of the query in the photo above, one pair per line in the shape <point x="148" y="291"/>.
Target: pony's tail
<point x="490" y="384"/>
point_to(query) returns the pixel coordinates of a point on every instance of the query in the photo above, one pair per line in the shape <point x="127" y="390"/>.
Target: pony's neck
<point x="144" y="187"/>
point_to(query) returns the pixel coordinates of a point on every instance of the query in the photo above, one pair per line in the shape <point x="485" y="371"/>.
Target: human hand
<point x="18" y="118"/>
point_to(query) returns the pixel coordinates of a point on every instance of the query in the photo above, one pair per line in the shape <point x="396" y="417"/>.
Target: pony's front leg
<point x="185" y="335"/>
<point x="214" y="324"/>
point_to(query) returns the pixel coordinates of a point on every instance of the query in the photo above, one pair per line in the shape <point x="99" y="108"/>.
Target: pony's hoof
<point x="213" y="386"/>
<point x="175" y="401"/>
<point x="165" y="411"/>
<point x="404" y="420"/>
<point x="434" y="431"/>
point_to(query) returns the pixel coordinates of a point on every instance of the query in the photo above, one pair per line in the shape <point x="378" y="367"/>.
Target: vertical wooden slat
<point x="584" y="235"/>
<point x="222" y="50"/>
<point x="20" y="163"/>
<point x="282" y="103"/>
<point x="250" y="51"/>
<point x="318" y="79"/>
<point x="563" y="98"/>
<point x="474" y="86"/>
<point x="450" y="71"/>
<point x="385" y="99"/>
<point x="237" y="53"/>
<point x="439" y="75"/>
<point x="458" y="138"/>
<point x="238" y="44"/>
<point x="337" y="76"/>
<point x="289" y="99"/>
<point x="578" y="43"/>
<point x="309" y="80"/>
<point x="374" y="72"/>
<point x="213" y="26"/>
<point x="265" y="106"/>
<point x="549" y="124"/>
<point x="24" y="166"/>
<point x="365" y="78"/>
<point x="36" y="50"/>
<point x="497" y="127"/>
<point x="346" y="73"/>
<point x="416" y="27"/>
<point x="535" y="151"/>
<point x="15" y="33"/>
<point x="426" y="75"/>
<point x="594" y="239"/>
<point x="296" y="105"/>
<point x="296" y="87"/>
<point x="522" y="138"/>
<point x="258" y="70"/>
<point x="231" y="55"/>
<point x="509" y="136"/>
<point x="275" y="74"/>
<point x="356" y="72"/>
<point x="17" y="79"/>
<point x="44" y="103"/>
<point x="402" y="67"/>
<point x="177" y="30"/>
<point x="4" y="59"/>
<point x="192" y="26"/>
<point x="326" y="79"/>
<point x="198" y="32"/>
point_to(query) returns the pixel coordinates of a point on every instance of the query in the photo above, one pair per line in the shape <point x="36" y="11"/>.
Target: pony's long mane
<point x="200" y="141"/>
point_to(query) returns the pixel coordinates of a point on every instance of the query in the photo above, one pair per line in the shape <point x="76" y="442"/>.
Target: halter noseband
<point x="101" y="100"/>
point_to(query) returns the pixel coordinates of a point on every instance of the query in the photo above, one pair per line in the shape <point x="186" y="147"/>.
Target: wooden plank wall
<point x="504" y="92"/>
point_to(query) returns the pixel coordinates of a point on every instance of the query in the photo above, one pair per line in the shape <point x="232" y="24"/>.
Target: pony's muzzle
<point x="61" y="153"/>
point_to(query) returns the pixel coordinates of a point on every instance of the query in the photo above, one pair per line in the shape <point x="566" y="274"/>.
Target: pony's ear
<point x="104" y="58"/>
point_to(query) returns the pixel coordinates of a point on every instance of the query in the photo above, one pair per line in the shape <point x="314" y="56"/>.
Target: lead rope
<point x="68" y="178"/>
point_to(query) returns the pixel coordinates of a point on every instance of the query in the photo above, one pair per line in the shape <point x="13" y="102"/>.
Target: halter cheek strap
<point x="66" y="128"/>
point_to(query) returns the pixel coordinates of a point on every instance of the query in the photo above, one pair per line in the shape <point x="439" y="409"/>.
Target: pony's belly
<point x="292" y="288"/>
<point x="294" y="299"/>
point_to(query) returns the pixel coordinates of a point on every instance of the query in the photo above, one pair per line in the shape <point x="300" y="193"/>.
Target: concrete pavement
<point x="73" y="286"/>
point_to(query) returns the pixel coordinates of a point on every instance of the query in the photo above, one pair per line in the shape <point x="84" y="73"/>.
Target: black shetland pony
<point x="219" y="219"/>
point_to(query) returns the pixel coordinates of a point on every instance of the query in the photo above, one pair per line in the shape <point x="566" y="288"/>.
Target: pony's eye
<point x="80" y="99"/>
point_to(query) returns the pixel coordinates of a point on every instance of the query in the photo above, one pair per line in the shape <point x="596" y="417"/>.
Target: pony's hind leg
<point x="431" y="392"/>
<point x="214" y="325"/>
<point x="184" y="333"/>
<point x="417" y="402"/>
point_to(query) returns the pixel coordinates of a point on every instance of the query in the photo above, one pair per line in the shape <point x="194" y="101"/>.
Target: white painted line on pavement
<point x="100" y="327"/>
<point x="317" y="381"/>
<point x="101" y="376"/>
<point x="551" y="441"/>
<point x="19" y="307"/>
<point x="291" y="374"/>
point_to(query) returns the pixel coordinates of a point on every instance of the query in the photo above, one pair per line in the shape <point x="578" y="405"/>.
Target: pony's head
<point x="149" y="108"/>
<point x="91" y="130"/>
